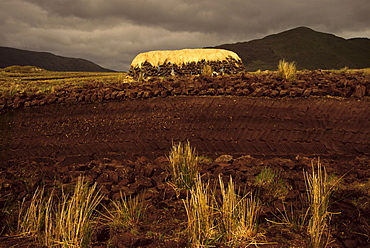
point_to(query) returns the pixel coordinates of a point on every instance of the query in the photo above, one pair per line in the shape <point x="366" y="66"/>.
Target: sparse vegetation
<point x="315" y="216"/>
<point x="73" y="222"/>
<point x="239" y="215"/>
<point x="287" y="70"/>
<point x="65" y="222"/>
<point x="14" y="88"/>
<point x="121" y="78"/>
<point x="201" y="213"/>
<point x="220" y="214"/>
<point x="270" y="182"/>
<point x="127" y="211"/>
<point x="204" y="159"/>
<point x="231" y="220"/>
<point x="266" y="176"/>
<point x="31" y="217"/>
<point x="364" y="71"/>
<point x="319" y="189"/>
<point x="183" y="165"/>
<point x="291" y="217"/>
<point x="344" y="69"/>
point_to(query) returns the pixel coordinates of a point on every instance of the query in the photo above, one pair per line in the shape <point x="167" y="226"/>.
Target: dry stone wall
<point x="227" y="66"/>
<point x="312" y="84"/>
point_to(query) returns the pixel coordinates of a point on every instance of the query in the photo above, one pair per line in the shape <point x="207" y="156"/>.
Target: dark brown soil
<point x="119" y="135"/>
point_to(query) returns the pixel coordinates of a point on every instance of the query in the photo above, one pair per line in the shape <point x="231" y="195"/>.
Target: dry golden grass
<point x="319" y="189"/>
<point x="232" y="220"/>
<point x="183" y="165"/>
<point x="314" y="216"/>
<point x="239" y="214"/>
<point x="66" y="222"/>
<point x="31" y="217"/>
<point x="73" y="221"/>
<point x="287" y="70"/>
<point x="229" y="208"/>
<point x="201" y="212"/>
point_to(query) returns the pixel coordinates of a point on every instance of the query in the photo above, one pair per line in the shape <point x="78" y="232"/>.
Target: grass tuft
<point x="127" y="211"/>
<point x="287" y="70"/>
<point x="200" y="209"/>
<point x="232" y="221"/>
<point x="31" y="217"/>
<point x="266" y="176"/>
<point x="319" y="189"/>
<point x="239" y="214"/>
<point x="183" y="165"/>
<point x="73" y="221"/>
<point x="271" y="185"/>
<point x="66" y="222"/>
<point x="290" y="216"/>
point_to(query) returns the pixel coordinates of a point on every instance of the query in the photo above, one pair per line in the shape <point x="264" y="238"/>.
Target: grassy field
<point x="35" y="80"/>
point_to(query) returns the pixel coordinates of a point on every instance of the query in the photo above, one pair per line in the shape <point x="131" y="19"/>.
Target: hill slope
<point x="12" y="56"/>
<point x="309" y="48"/>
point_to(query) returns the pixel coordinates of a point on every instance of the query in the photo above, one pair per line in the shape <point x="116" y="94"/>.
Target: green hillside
<point x="12" y="56"/>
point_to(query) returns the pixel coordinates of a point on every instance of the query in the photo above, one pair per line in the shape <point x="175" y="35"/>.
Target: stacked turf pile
<point x="185" y="62"/>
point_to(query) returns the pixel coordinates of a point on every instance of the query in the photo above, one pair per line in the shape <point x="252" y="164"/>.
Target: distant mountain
<point x="12" y="56"/>
<point x="308" y="48"/>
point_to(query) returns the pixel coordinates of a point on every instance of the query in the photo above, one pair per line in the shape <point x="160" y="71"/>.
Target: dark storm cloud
<point x="224" y="16"/>
<point x="112" y="32"/>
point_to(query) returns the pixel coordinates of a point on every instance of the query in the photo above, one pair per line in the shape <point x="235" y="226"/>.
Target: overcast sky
<point x="112" y="32"/>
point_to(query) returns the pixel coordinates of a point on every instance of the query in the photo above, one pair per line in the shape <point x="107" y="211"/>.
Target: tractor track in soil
<point x="215" y="125"/>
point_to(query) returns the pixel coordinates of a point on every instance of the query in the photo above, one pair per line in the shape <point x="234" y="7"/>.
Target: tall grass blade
<point x="183" y="165"/>
<point x="74" y="218"/>
<point x="239" y="214"/>
<point x="31" y="217"/>
<point x="200" y="210"/>
<point x="319" y="189"/>
<point x="66" y="222"/>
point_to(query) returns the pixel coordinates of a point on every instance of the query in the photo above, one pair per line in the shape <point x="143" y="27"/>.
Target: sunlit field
<point x="36" y="80"/>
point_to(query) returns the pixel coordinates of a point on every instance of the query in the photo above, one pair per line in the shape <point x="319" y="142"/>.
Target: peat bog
<point x="119" y="135"/>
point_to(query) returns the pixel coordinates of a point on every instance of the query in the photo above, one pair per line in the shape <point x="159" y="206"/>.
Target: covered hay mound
<point x="185" y="62"/>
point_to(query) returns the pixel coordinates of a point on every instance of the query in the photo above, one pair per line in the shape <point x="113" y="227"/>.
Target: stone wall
<point x="227" y="66"/>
